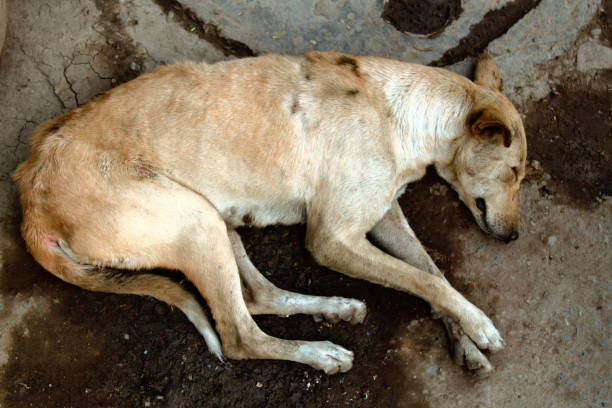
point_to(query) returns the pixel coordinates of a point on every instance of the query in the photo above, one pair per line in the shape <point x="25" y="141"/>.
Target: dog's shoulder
<point x="334" y="74"/>
<point x="326" y="62"/>
<point x="341" y="84"/>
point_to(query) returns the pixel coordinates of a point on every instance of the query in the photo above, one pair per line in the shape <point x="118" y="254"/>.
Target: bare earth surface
<point x="549" y="293"/>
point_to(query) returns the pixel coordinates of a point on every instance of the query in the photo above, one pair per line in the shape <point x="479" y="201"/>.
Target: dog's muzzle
<point x="482" y="206"/>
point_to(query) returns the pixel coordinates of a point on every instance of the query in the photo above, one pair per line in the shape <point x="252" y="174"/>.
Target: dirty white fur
<point x="64" y="251"/>
<point x="196" y="315"/>
<point x="325" y="356"/>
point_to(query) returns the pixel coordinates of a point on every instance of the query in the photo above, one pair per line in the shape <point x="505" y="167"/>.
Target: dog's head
<point x="489" y="162"/>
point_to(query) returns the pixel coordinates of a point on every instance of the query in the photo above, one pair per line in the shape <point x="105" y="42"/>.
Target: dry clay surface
<point x="549" y="293"/>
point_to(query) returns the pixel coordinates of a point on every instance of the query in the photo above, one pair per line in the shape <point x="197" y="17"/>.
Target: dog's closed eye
<point x="515" y="171"/>
<point x="508" y="174"/>
<point x="480" y="203"/>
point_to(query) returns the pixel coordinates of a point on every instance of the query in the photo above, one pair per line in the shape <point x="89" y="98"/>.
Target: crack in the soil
<point x="91" y="66"/>
<point x="493" y="25"/>
<point x="19" y="140"/>
<point x="209" y="32"/>
<point x="37" y="64"/>
<point x="76" y="96"/>
<point x="20" y="135"/>
<point x="53" y="91"/>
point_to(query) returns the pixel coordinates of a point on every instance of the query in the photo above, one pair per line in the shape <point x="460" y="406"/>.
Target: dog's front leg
<point x="263" y="297"/>
<point x="338" y="241"/>
<point x="394" y="235"/>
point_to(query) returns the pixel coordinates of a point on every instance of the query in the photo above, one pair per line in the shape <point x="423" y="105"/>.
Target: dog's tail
<point x="61" y="261"/>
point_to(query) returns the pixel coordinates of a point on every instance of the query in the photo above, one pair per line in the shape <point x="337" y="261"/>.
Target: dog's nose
<point x="513" y="236"/>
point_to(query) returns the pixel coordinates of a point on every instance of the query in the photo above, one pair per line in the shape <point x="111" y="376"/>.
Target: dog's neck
<point x="430" y="107"/>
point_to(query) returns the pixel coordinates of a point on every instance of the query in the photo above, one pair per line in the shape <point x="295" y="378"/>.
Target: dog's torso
<point x="257" y="137"/>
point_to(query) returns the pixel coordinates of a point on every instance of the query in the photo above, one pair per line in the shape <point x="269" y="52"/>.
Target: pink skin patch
<point x="144" y="172"/>
<point x="51" y="240"/>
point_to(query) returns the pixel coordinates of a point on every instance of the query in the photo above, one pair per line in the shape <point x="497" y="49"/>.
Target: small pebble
<point x="161" y="309"/>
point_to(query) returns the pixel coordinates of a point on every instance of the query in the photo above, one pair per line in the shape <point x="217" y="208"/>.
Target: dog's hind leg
<point x="143" y="284"/>
<point x="394" y="235"/>
<point x="159" y="223"/>
<point x="263" y="297"/>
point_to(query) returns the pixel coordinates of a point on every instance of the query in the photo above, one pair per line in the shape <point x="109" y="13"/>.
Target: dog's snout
<point x="513" y="236"/>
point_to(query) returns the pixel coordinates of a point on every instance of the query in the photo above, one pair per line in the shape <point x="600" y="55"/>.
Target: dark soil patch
<point x="190" y="21"/>
<point x="428" y="17"/>
<point x="570" y="133"/>
<point x="493" y="25"/>
<point x="121" y="50"/>
<point x="96" y="349"/>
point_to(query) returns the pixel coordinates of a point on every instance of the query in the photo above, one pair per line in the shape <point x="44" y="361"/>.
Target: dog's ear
<point x="486" y="72"/>
<point x="489" y="123"/>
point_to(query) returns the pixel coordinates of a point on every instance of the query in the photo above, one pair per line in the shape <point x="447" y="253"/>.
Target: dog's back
<point x="194" y="122"/>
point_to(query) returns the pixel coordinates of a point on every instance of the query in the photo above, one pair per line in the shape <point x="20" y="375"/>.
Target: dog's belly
<point x="237" y="214"/>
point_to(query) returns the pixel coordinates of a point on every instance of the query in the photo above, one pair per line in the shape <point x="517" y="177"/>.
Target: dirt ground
<point x="74" y="348"/>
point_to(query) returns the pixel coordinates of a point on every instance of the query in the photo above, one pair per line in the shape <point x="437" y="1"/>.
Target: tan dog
<point x="159" y="172"/>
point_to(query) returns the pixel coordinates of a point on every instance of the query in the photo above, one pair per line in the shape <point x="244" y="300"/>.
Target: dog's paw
<point x="349" y="310"/>
<point x="327" y="356"/>
<point x="465" y="353"/>
<point x="339" y="308"/>
<point x="481" y="330"/>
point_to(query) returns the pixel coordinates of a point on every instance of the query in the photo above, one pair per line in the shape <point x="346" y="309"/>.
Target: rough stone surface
<point x="544" y="34"/>
<point x="161" y="38"/>
<point x="353" y="26"/>
<point x="2" y="23"/>
<point x="592" y="55"/>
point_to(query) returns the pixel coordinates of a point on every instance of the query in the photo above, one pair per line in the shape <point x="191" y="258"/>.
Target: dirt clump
<point x="421" y="17"/>
<point x="570" y="133"/>
<point x="191" y="23"/>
